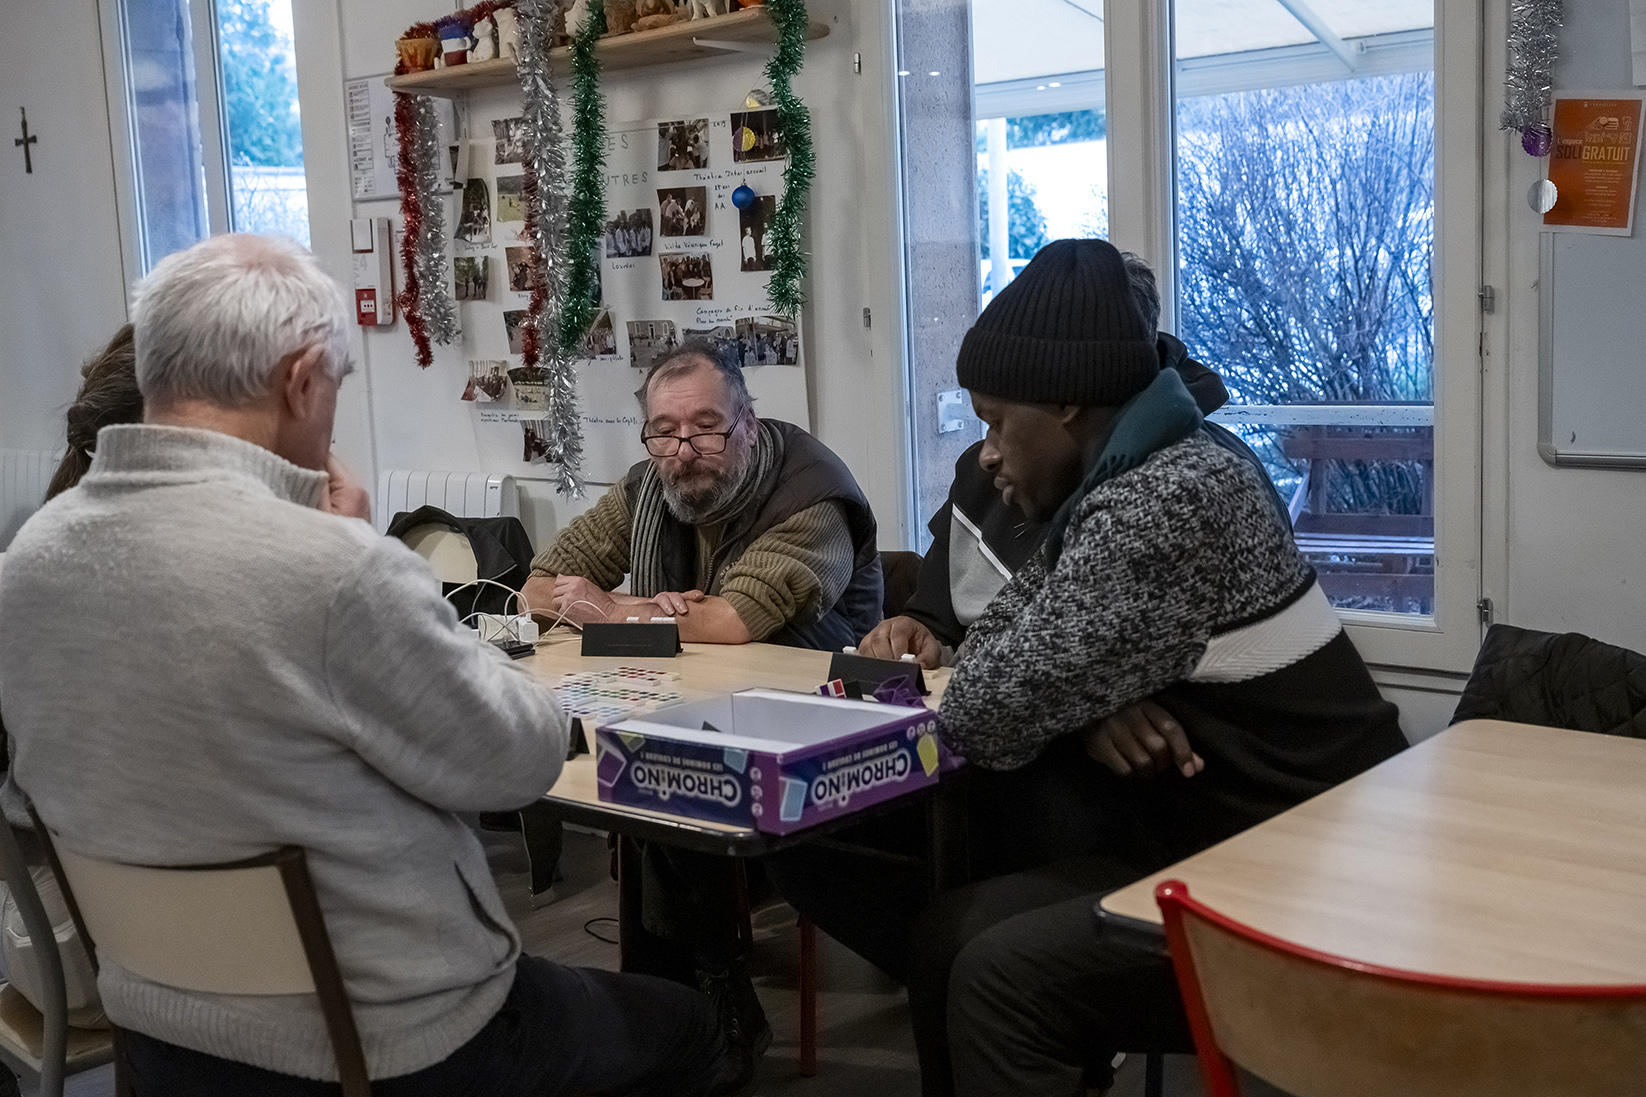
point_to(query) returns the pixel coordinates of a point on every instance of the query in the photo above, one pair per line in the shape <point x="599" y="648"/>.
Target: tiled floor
<point x="866" y="1049"/>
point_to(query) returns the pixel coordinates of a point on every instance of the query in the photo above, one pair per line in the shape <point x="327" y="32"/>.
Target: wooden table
<point x="1492" y="851"/>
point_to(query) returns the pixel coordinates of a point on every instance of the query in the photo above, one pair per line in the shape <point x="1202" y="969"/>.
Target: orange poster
<point x="1593" y="164"/>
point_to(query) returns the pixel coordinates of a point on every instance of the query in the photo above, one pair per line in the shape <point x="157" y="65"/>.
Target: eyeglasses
<point x="704" y="444"/>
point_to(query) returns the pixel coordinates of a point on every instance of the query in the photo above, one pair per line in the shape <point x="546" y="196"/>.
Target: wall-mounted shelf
<point x="696" y="40"/>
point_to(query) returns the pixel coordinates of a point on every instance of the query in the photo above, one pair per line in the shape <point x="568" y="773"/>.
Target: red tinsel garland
<point x="405" y="173"/>
<point x="410" y="295"/>
<point x="529" y="349"/>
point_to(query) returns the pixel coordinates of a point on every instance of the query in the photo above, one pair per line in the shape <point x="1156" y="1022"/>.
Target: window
<point x="204" y="104"/>
<point x="1023" y="79"/>
<point x="1304" y="176"/>
<point x="1305" y="243"/>
<point x="260" y="110"/>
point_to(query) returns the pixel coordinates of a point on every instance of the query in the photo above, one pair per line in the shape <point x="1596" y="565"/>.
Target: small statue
<point x="485" y="40"/>
<point x="508" y="33"/>
<point x="704" y="9"/>
<point x="576" y="15"/>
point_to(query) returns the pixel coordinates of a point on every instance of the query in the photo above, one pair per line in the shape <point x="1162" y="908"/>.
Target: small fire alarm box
<point x="373" y="271"/>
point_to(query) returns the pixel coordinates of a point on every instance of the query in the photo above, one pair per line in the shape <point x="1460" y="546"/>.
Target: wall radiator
<point x="24" y="475"/>
<point x="464" y="494"/>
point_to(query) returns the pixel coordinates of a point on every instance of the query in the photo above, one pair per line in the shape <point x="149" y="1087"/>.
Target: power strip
<point x="514" y="628"/>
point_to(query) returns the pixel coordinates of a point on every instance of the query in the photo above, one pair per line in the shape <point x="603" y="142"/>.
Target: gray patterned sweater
<point x="1177" y="580"/>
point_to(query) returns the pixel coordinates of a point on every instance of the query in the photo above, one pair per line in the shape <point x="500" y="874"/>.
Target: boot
<point x="743" y="1024"/>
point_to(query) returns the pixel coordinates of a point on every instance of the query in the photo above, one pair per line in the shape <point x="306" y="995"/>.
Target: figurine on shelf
<point x="703" y="9"/>
<point x="651" y="14"/>
<point x="508" y="33"/>
<point x="454" y="44"/>
<point x="485" y="40"/>
<point x="620" y="16"/>
<point x="576" y="15"/>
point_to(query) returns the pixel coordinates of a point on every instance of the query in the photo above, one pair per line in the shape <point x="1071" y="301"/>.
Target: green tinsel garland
<point x="586" y="210"/>
<point x="795" y="123"/>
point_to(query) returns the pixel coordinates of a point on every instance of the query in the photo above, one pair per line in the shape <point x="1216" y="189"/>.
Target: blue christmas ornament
<point x="743" y="197"/>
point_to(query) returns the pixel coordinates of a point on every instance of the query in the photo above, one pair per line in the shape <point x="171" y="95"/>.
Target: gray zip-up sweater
<point x="196" y="665"/>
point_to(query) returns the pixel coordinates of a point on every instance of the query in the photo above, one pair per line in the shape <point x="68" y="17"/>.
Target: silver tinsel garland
<point x="1534" y="39"/>
<point x="434" y="296"/>
<point x="546" y="231"/>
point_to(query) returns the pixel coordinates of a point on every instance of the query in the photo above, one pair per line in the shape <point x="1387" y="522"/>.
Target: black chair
<point x="900" y="572"/>
<point x="1562" y="680"/>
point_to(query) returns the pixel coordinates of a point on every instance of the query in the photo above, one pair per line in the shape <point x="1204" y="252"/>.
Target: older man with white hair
<point x="208" y="654"/>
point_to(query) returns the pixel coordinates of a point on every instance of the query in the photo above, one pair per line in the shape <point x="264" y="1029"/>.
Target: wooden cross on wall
<point x="26" y="141"/>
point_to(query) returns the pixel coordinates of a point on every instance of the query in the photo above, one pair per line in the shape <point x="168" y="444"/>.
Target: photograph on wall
<point x="722" y="337"/>
<point x="488" y="381"/>
<point x="519" y="263"/>
<point x="754" y="228"/>
<point x="529" y="387"/>
<point x="471" y="272"/>
<point x="683" y="211"/>
<point x="601" y="339"/>
<point x="650" y="340"/>
<point x="474" y="224"/>
<point x="755" y="137"/>
<point x="509" y="137"/>
<point x="768" y="341"/>
<point x="687" y="277"/>
<point x="629" y="234"/>
<point x="511" y="198"/>
<point x="535" y="438"/>
<point x="514" y="326"/>
<point x="683" y="145"/>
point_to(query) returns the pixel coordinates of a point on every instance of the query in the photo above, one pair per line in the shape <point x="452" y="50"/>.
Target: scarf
<point x="654" y="526"/>
<point x="1160" y="415"/>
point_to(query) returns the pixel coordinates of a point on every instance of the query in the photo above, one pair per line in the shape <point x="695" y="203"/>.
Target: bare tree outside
<point x="1306" y="240"/>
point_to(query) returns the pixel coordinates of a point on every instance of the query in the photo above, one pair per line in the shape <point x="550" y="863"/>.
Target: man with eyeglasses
<point x="741" y="529"/>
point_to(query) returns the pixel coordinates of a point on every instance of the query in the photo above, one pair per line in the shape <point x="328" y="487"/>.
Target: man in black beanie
<point x="1166" y="572"/>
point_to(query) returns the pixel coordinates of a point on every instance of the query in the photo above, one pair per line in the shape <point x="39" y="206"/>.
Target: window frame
<point x="1142" y="212"/>
<point x="203" y="41"/>
<point x="1140" y="109"/>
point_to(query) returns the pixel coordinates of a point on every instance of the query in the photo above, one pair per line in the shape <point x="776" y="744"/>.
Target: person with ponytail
<point x="108" y="394"/>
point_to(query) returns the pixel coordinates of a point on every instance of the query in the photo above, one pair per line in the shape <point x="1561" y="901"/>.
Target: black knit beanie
<point x="1064" y="331"/>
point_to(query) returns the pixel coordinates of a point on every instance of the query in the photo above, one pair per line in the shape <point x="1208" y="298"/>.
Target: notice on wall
<point x="1594" y="163"/>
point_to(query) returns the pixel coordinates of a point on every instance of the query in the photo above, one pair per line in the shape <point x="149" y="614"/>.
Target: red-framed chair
<point x="1319" y="1025"/>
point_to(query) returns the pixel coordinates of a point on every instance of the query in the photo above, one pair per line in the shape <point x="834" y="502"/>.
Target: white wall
<point x="404" y="417"/>
<point x="1566" y="548"/>
<point x="62" y="290"/>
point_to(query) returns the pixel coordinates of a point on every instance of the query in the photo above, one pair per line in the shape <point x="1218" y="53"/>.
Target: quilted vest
<point x="808" y="474"/>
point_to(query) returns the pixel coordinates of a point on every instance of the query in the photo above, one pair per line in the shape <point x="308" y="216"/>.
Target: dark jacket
<point x="978" y="542"/>
<point x="808" y="474"/>
<point x="502" y="553"/>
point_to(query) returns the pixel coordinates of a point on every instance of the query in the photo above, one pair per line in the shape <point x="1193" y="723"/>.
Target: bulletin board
<point x="679" y="261"/>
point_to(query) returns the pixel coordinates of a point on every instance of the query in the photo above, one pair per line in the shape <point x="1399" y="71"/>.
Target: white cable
<point x="520" y="599"/>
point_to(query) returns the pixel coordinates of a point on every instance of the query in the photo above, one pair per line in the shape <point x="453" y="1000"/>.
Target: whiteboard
<point x="1592" y="351"/>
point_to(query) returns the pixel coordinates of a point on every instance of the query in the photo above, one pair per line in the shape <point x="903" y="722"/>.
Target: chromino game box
<point x="769" y="760"/>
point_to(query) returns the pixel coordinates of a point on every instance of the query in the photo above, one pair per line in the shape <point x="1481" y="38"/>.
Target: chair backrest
<point x="900" y="573"/>
<point x="249" y="927"/>
<point x="1318" y="1025"/>
<point x="448" y="552"/>
<point x="1561" y="680"/>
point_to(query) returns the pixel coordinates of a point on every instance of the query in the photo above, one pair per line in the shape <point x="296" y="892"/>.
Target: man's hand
<point x="582" y="601"/>
<point x="538" y="594"/>
<point x="897" y="636"/>
<point x="1141" y="741"/>
<point x="677" y="604"/>
<point x="344" y="495"/>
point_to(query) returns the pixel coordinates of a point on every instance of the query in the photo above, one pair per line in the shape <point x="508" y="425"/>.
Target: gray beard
<point x="698" y="507"/>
